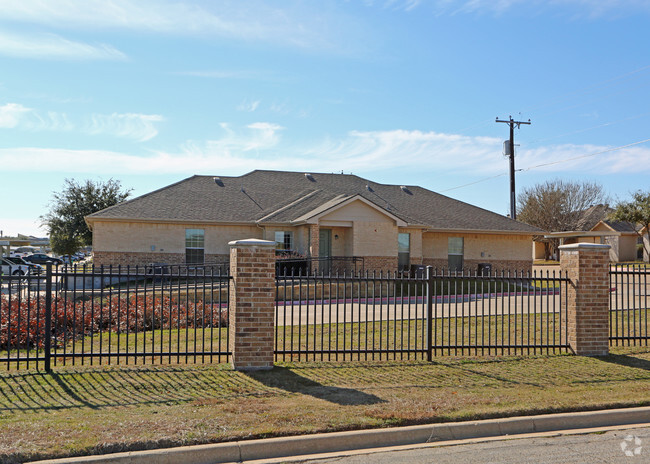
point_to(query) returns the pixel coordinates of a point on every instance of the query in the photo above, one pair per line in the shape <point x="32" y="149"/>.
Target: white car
<point x="9" y="268"/>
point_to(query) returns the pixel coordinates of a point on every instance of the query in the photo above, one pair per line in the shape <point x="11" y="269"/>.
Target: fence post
<point x="586" y="307"/>
<point x="429" y="337"/>
<point x="251" y="305"/>
<point x="47" y="343"/>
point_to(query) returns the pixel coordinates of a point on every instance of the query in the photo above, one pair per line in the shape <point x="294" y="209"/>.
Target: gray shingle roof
<point x="283" y="197"/>
<point x="593" y="215"/>
<point x="621" y="226"/>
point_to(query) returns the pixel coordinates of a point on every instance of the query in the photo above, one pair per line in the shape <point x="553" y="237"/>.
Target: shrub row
<point x="22" y="322"/>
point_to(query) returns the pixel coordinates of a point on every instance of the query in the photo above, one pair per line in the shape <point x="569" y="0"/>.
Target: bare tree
<point x="557" y="206"/>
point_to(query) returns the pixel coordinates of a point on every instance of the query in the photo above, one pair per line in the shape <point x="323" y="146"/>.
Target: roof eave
<point x="485" y="231"/>
<point x="170" y="221"/>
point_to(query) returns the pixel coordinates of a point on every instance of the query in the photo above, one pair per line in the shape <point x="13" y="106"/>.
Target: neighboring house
<point x="623" y="242"/>
<point x="317" y="215"/>
<point x="594" y="227"/>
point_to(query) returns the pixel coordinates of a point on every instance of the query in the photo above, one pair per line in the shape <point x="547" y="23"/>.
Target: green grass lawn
<point x="391" y="339"/>
<point x="405" y="338"/>
<point x="90" y="410"/>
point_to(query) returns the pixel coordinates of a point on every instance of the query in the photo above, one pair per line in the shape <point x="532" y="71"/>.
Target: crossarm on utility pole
<point x="512" y="123"/>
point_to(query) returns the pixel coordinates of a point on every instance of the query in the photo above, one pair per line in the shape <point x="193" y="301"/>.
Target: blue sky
<point x="396" y="91"/>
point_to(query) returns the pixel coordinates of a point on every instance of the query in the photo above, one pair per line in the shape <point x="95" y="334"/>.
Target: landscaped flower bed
<point x="22" y="322"/>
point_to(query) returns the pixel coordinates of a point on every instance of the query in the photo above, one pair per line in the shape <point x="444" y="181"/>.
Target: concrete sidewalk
<point x="306" y="446"/>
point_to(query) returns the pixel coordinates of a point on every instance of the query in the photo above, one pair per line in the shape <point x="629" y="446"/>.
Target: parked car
<point x="33" y="268"/>
<point x="9" y="268"/>
<point x="19" y="254"/>
<point x="69" y="259"/>
<point x="42" y="258"/>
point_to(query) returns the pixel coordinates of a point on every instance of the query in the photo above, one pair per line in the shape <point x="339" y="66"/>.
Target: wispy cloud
<point x="248" y="106"/>
<point x="140" y="127"/>
<point x="11" y="114"/>
<point x="260" y="146"/>
<point x="54" y="47"/>
<point x="293" y="23"/>
<point x="589" y="8"/>
<point x="17" y="116"/>
<point x="260" y="136"/>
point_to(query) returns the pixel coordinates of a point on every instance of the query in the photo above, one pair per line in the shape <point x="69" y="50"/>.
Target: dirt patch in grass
<point x="96" y="410"/>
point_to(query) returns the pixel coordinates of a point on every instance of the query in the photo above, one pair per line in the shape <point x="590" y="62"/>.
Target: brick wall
<point x="587" y="301"/>
<point x="107" y="258"/>
<point x="252" y="304"/>
<point x="471" y="265"/>
<point x="380" y="263"/>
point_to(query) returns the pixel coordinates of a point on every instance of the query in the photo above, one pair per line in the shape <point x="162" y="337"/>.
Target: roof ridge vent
<point x="218" y="181"/>
<point x="310" y="177"/>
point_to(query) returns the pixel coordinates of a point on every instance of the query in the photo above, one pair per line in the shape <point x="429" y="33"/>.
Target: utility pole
<point x="512" y="124"/>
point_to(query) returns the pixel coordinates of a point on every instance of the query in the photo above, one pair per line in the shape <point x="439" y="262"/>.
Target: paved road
<point x="622" y="446"/>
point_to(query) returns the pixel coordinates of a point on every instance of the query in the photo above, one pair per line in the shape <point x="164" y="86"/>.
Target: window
<point x="194" y="246"/>
<point x="455" y="253"/>
<point x="283" y="240"/>
<point x="403" y="251"/>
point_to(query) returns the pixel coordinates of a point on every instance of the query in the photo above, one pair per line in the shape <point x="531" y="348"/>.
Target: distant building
<point x="595" y="227"/>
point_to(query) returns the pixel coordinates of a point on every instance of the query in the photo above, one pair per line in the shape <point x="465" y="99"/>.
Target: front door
<point x="325" y="250"/>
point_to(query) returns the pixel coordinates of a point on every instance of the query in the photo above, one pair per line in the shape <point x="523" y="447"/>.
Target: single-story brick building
<point x="308" y="215"/>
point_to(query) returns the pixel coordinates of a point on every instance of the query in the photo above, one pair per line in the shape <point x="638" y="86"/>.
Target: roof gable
<point x="344" y="206"/>
<point x="616" y="226"/>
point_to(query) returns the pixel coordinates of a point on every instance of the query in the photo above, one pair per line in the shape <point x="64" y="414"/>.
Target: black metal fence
<point x="172" y="314"/>
<point x="628" y="302"/>
<point x="114" y="315"/>
<point x="330" y="265"/>
<point x="391" y="316"/>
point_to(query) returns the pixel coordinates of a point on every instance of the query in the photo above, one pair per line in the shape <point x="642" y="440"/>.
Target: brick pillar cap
<point x="252" y="242"/>
<point x="577" y="246"/>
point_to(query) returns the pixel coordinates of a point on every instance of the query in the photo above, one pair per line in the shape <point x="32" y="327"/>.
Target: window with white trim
<point x="403" y="251"/>
<point x="194" y="246"/>
<point x="455" y="253"/>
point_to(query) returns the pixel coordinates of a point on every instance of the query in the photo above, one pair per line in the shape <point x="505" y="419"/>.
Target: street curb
<point x="251" y="450"/>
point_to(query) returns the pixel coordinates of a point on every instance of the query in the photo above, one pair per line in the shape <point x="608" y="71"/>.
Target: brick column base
<point x="587" y="302"/>
<point x="251" y="305"/>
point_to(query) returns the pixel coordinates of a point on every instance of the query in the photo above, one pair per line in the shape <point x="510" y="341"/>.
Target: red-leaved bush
<point x="22" y="322"/>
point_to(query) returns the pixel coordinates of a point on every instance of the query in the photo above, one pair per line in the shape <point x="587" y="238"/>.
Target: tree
<point x="65" y="221"/>
<point x="636" y="212"/>
<point x="557" y="206"/>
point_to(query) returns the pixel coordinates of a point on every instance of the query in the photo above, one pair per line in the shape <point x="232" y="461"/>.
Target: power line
<point x="585" y="156"/>
<point x="578" y="131"/>
<point x="566" y="160"/>
<point x="475" y="182"/>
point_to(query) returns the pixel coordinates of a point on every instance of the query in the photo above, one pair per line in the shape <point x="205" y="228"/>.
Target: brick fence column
<point x="251" y="305"/>
<point x="587" y="302"/>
